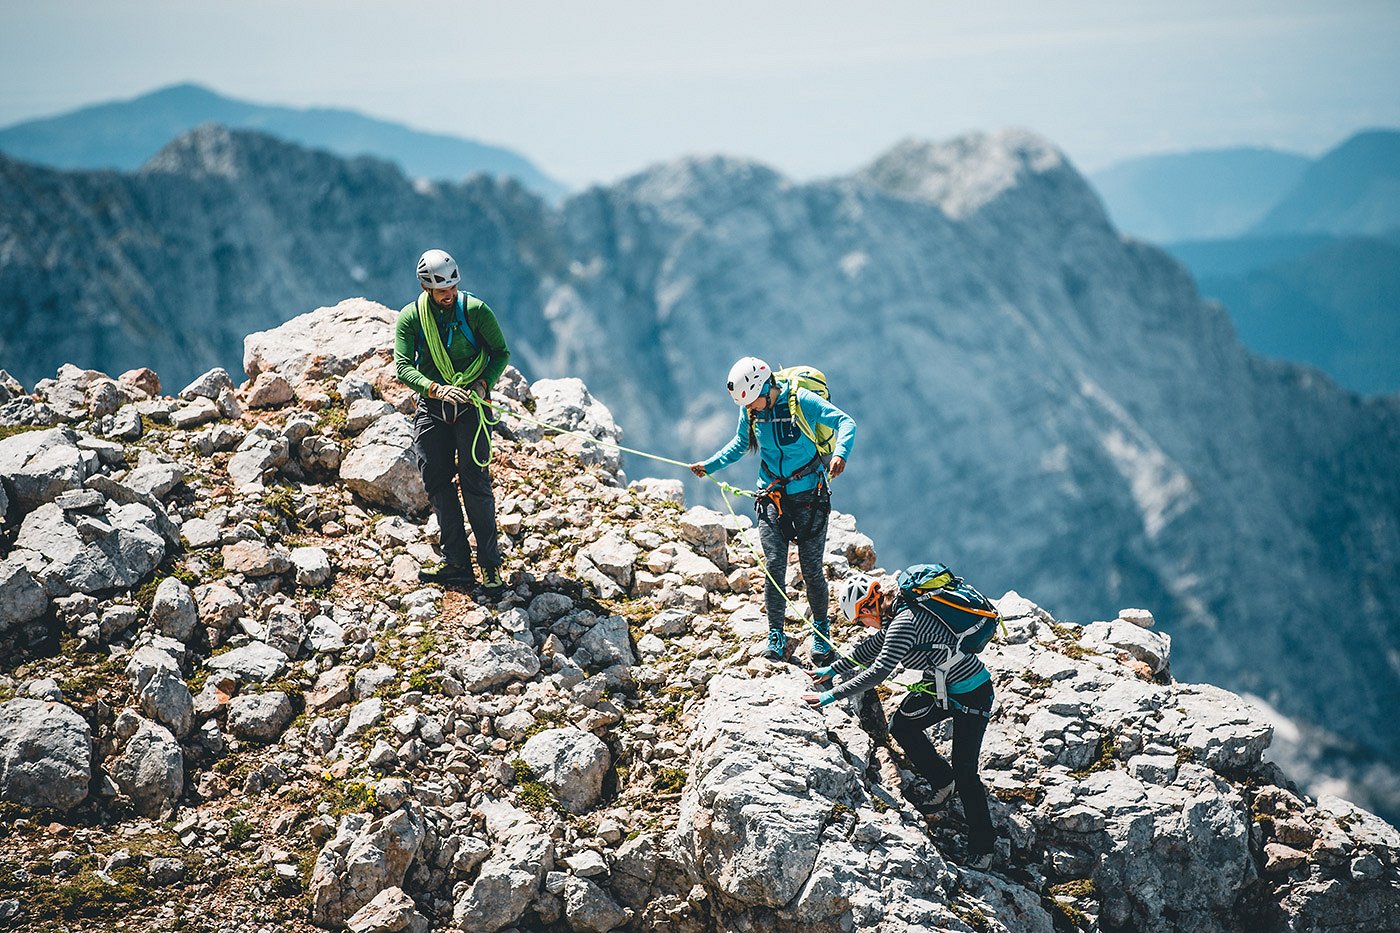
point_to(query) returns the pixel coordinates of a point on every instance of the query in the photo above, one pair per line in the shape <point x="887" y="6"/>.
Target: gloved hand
<point x="454" y="394"/>
<point x="821" y="676"/>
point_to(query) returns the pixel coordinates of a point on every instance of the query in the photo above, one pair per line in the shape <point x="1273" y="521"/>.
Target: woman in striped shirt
<point x="908" y="631"/>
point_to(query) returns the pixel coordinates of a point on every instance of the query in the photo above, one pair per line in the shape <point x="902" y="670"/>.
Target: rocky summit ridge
<point x="226" y="704"/>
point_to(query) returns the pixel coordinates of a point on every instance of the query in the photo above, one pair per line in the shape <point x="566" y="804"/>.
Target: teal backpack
<point x="967" y="613"/>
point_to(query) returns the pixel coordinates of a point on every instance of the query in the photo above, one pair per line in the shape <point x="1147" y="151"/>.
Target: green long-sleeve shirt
<point x="413" y="364"/>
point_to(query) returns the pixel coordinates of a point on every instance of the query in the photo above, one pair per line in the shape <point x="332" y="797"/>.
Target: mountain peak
<point x="966" y="173"/>
<point x="694" y="176"/>
<point x="208" y="150"/>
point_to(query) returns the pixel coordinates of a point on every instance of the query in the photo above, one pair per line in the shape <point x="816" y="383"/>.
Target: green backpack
<point x="813" y="380"/>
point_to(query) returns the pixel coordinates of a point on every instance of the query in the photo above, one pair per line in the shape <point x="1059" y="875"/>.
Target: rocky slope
<point x="1047" y="405"/>
<point x="226" y="706"/>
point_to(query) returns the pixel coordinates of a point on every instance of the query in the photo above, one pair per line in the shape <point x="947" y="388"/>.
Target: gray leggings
<point x="804" y="520"/>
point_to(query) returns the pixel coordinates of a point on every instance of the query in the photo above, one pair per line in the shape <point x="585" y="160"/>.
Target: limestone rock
<point x="35" y="466"/>
<point x="260" y="716"/>
<point x="68" y="553"/>
<point x="173" y="612"/>
<point x="589" y="908"/>
<point x="571" y="763"/>
<point x="45" y="754"/>
<point x="209" y="385"/>
<point x="22" y="599"/>
<point x="150" y="769"/>
<point x="364" y="859"/>
<point x="320" y="344"/>
<point x="312" y="565"/>
<point x="507" y="882"/>
<point x="489" y="664"/>
<point x="268" y="390"/>
<point x="256" y="661"/>
<point x="381" y="467"/>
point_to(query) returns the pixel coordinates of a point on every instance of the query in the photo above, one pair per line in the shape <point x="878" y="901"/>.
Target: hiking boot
<point x="981" y="862"/>
<point x="491" y="582"/>
<point x="822" y="651"/>
<point x="929" y="801"/>
<point x="448" y="574"/>
<point x="777" y="646"/>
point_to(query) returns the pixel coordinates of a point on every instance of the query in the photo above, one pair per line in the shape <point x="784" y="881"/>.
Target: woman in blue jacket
<point x="793" y="499"/>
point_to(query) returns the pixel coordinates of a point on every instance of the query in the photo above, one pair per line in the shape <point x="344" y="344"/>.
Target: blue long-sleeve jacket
<point x="782" y="447"/>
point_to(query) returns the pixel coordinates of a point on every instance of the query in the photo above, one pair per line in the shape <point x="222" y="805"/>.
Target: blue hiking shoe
<point x="777" y="645"/>
<point x="822" y="651"/>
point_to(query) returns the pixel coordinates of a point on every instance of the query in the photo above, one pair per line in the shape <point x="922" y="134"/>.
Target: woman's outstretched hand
<point x="698" y="469"/>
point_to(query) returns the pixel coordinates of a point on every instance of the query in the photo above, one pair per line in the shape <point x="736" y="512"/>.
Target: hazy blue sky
<point x="595" y="90"/>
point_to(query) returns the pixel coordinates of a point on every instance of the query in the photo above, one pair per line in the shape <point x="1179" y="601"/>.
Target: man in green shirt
<point x="447" y="437"/>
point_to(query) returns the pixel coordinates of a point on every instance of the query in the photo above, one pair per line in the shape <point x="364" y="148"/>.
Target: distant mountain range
<point x="1039" y="398"/>
<point x="124" y="134"/>
<point x="1302" y="253"/>
<point x="1197" y="195"/>
<point x="1354" y="189"/>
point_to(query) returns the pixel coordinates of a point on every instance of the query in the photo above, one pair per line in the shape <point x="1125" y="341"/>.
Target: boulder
<point x="571" y="763"/>
<point x="607" y="643"/>
<point x="590" y="909"/>
<point x="568" y="404"/>
<point x="490" y="664"/>
<point x="268" y="390"/>
<point x="210" y="385"/>
<point x="114" y="548"/>
<point x="166" y="699"/>
<point x="312" y="565"/>
<point x="607" y="564"/>
<point x="35" y="466"/>
<point x="1151" y="648"/>
<point x="391" y="910"/>
<point x="320" y="344"/>
<point x="142" y="381"/>
<point x="364" y="859"/>
<point x="705" y="530"/>
<point x="173" y="612"/>
<point x="508" y="881"/>
<point x="255" y="559"/>
<point x="156" y="479"/>
<point x="150" y="769"/>
<point x="200" y="411"/>
<point x="22" y="599"/>
<point x="845" y="544"/>
<point x="260" y="454"/>
<point x="45" y="754"/>
<point x="255" y="661"/>
<point x="260" y="716"/>
<point x="382" y="469"/>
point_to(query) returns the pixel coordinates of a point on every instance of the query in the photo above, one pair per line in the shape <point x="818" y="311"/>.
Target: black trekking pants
<point x="804" y="521"/>
<point x="908" y="725"/>
<point x="444" y="451"/>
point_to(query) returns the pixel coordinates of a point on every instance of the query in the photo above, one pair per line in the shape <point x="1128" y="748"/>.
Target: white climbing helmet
<point x="436" y="269"/>
<point x="857" y="591"/>
<point x="747" y="379"/>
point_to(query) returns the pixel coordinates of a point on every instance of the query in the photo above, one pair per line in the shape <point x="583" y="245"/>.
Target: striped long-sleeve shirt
<point x="916" y="638"/>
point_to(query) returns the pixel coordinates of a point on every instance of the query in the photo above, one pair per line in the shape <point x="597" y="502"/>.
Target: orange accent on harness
<point x="978" y="612"/>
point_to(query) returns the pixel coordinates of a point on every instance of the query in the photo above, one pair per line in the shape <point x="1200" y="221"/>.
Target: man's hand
<point x="812" y="699"/>
<point x="481" y="390"/>
<point x="837" y="467"/>
<point x="698" y="469"/>
<point x="454" y="394"/>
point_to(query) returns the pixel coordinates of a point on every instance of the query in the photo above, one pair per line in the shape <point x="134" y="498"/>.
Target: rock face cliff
<point x="226" y="704"/>
<point x="1042" y="403"/>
